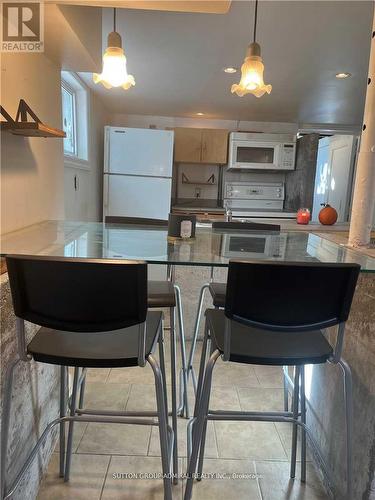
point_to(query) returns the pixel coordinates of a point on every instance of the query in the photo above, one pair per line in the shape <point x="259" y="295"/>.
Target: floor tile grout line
<point x="282" y="442"/>
<point x="216" y="440"/>
<point x="80" y="441"/>
<point x="230" y="459"/>
<point x="105" y="477"/>
<point x="257" y="480"/>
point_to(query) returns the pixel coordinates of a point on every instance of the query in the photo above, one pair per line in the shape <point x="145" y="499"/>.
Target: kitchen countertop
<point x="337" y="233"/>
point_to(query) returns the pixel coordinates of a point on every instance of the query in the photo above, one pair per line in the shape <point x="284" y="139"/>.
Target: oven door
<point x="254" y="155"/>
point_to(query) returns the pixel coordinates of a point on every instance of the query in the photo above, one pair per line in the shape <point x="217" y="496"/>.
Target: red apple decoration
<point x="327" y="215"/>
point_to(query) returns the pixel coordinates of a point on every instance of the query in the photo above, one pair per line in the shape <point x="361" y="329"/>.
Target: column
<point x="364" y="188"/>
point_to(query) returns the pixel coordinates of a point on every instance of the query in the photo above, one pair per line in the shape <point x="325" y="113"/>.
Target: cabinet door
<point x="214" y="146"/>
<point x="187" y="145"/>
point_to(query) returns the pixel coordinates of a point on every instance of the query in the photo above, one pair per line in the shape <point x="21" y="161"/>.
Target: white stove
<point x="256" y="199"/>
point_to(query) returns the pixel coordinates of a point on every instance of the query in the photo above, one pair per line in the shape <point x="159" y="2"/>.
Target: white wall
<point x="144" y="121"/>
<point x="32" y="186"/>
<point x="85" y="203"/>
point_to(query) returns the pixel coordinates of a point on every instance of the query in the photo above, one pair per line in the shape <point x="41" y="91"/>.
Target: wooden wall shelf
<point x="209" y="182"/>
<point x="31" y="129"/>
<point x="21" y="125"/>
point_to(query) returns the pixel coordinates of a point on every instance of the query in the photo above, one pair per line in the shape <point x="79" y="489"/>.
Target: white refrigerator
<point x="137" y="172"/>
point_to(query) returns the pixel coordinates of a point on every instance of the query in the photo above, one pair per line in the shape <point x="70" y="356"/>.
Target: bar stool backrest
<point x="290" y="296"/>
<point x="247" y="226"/>
<point x="80" y="295"/>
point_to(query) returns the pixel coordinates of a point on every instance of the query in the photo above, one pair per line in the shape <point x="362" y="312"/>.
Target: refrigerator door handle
<point x="107" y="150"/>
<point x="105" y="195"/>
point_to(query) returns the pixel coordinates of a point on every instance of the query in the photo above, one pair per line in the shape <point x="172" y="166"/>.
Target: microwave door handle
<point x="277" y="156"/>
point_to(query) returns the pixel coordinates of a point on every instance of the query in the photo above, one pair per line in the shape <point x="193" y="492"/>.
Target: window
<point x="69" y="119"/>
<point x="75" y="111"/>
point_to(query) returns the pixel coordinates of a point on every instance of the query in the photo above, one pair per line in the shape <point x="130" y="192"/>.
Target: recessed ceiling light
<point x="230" y="69"/>
<point x="200" y="114"/>
<point x="343" y="75"/>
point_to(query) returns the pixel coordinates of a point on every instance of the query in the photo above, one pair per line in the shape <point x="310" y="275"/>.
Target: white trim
<point x="75" y="162"/>
<point x="82" y="121"/>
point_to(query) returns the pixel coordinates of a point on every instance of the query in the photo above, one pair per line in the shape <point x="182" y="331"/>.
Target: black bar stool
<point x="166" y="294"/>
<point x="279" y="320"/>
<point x="217" y="290"/>
<point x="93" y="314"/>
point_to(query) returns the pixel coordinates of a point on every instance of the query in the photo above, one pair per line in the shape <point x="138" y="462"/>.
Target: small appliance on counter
<point x="181" y="226"/>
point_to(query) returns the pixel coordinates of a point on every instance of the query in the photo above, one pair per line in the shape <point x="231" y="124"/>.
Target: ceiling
<point x="177" y="60"/>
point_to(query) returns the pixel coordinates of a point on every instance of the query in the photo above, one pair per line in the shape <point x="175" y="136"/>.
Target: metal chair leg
<point x="82" y="389"/>
<point x="198" y="428"/>
<point x="5" y="419"/>
<point x="202" y="366"/>
<point x="63" y="404"/>
<point x="163" y="428"/>
<point x="203" y="440"/>
<point x="348" y="395"/>
<point x="286" y="389"/>
<point x="162" y="365"/>
<point x="183" y="349"/>
<point x="69" y="445"/>
<point x="195" y="334"/>
<point x="303" y="430"/>
<point x="295" y="405"/>
<point x="174" y="394"/>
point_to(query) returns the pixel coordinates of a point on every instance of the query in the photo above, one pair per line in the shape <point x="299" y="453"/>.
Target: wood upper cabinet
<point x="214" y="146"/>
<point x="196" y="145"/>
<point x="187" y="145"/>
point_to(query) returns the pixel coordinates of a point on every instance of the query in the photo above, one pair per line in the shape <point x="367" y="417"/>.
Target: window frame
<point x="72" y="82"/>
<point x="71" y="91"/>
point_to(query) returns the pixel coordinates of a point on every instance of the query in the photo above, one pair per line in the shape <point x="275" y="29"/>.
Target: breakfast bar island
<point x="191" y="261"/>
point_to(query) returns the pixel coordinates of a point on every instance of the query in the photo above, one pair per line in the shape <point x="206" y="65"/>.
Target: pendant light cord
<point x="114" y="19"/>
<point x="255" y="19"/>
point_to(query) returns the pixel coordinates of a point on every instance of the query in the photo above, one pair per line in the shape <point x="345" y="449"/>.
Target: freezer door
<point x="137" y="151"/>
<point x="130" y="196"/>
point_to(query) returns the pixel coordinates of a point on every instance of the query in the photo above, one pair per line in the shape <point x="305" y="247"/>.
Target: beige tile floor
<point x="252" y="455"/>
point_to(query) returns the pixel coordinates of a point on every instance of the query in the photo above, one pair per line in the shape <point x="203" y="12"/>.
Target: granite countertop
<point x="338" y="233"/>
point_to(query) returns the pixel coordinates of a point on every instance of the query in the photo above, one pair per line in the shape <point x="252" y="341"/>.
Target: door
<point x="334" y="175"/>
<point x="214" y="146"/>
<point x="130" y="196"/>
<point x="321" y="186"/>
<point x="187" y="145"/>
<point x="341" y="168"/>
<point x="137" y="151"/>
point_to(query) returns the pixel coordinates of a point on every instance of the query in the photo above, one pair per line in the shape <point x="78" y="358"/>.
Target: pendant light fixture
<point x="252" y="69"/>
<point x="114" y="72"/>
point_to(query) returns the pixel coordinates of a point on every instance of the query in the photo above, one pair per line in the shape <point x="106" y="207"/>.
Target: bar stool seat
<point x="117" y="348"/>
<point x="161" y="294"/>
<point x="261" y="347"/>
<point x="218" y="291"/>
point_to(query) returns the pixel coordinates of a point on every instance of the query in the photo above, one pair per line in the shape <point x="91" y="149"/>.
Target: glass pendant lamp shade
<point x="252" y="74"/>
<point x="114" y="72"/>
<point x="252" y="69"/>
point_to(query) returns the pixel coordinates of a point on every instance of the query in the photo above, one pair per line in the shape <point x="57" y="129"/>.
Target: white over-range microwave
<point x="256" y="151"/>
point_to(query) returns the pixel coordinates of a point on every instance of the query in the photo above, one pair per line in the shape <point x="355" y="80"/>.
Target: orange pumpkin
<point x="327" y="215"/>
